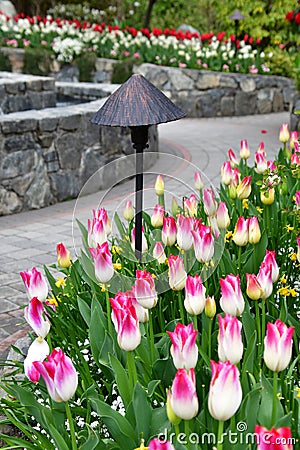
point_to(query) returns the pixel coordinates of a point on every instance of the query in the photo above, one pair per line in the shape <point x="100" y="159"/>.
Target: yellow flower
<point x="298" y="395"/>
<point x="289" y="228"/>
<point x="60" y="282"/>
<point x="142" y="446"/>
<point x="52" y="301"/>
<point x="245" y="203"/>
<point x="283" y="280"/>
<point x="103" y="287"/>
<point x="259" y="209"/>
<point x="293" y="256"/>
<point x="117" y="266"/>
<point x="284" y="291"/>
<point x="228" y="235"/>
<point x="293" y="292"/>
<point x="116" y="250"/>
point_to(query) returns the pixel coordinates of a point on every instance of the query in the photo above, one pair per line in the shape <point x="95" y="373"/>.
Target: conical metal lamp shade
<point x="136" y="103"/>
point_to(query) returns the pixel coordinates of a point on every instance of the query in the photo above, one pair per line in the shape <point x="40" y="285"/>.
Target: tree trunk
<point x="148" y="13"/>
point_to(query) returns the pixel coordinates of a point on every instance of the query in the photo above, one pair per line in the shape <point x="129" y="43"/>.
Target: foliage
<point x="121" y="395"/>
<point x="37" y="61"/>
<point x="5" y="64"/>
<point x="86" y="64"/>
<point x="122" y="71"/>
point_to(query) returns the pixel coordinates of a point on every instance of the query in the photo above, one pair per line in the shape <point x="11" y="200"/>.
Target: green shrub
<point x="122" y="71"/>
<point x="5" y="64"/>
<point x="86" y="64"/>
<point x="281" y="62"/>
<point x="37" y="61"/>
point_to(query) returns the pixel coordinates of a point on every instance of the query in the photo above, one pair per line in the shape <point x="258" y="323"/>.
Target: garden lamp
<point x="137" y="104"/>
<point x="236" y="16"/>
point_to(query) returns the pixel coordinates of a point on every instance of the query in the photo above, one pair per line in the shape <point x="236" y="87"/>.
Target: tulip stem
<point x="258" y="327"/>
<point x="181" y="306"/>
<point x="108" y="311"/>
<point x="220" y="435"/>
<point x="187" y="433"/>
<point x="131" y="370"/>
<point x="275" y="388"/>
<point x="161" y="200"/>
<point x="263" y="319"/>
<point x="210" y="321"/>
<point x="71" y="425"/>
<point x="151" y="337"/>
<point x="239" y="258"/>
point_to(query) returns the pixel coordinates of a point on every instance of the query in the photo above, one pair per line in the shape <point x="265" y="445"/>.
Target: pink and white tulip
<point x="101" y="215"/>
<point x="191" y="205"/>
<point x="223" y="219"/>
<point x="244" y="149"/>
<point x="225" y="392"/>
<point x="293" y="138"/>
<point x="203" y="244"/>
<point x="226" y="173"/>
<point x="260" y="162"/>
<point x="184" y="349"/>
<point x="264" y="278"/>
<point x="38" y="351"/>
<point x="254" y="289"/>
<point x="126" y="322"/>
<point x="270" y="260"/>
<point x="297" y="199"/>
<point x="241" y="233"/>
<point x="232" y="301"/>
<point x="177" y="273"/>
<point x="184" y="232"/>
<point x="96" y="233"/>
<point x="253" y="230"/>
<point x="104" y="269"/>
<point x="198" y="182"/>
<point x="232" y="158"/>
<point x="35" y="284"/>
<point x="284" y="134"/>
<point x="278" y="344"/>
<point x="195" y="299"/>
<point x="274" y="439"/>
<point x="159" y="186"/>
<point x="144" y="289"/>
<point x="157" y="444"/>
<point x="159" y="253"/>
<point x="209" y="202"/>
<point x="59" y="375"/>
<point x="295" y="159"/>
<point x="230" y="339"/>
<point x="169" y="231"/>
<point x="261" y="149"/>
<point x="157" y="217"/>
<point x="34" y="316"/>
<point x="144" y="241"/>
<point x="64" y="258"/>
<point x="184" y="400"/>
<point x="128" y="212"/>
<point x="244" y="188"/>
<point x="298" y="249"/>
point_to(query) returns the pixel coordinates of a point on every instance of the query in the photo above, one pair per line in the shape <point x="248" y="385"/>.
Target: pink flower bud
<point x="144" y="289"/>
<point x="254" y="289"/>
<point x="295" y="160"/>
<point x="230" y="340"/>
<point x="270" y="260"/>
<point x="244" y="188"/>
<point x="64" y="258"/>
<point x="253" y="230"/>
<point x="275" y="439"/>
<point x="244" y="149"/>
<point x="264" y="278"/>
<point x="157" y="444"/>
<point x="184" y="232"/>
<point x="184" y="400"/>
<point x="261" y="149"/>
<point x="209" y="202"/>
<point x="159" y="186"/>
<point x="232" y="301"/>
<point x="101" y="214"/>
<point x="168" y="233"/>
<point x="184" y="349"/>
<point x="128" y="212"/>
<point x="210" y="307"/>
<point x="38" y="351"/>
<point x="297" y="199"/>
<point x="144" y="241"/>
<point x="223" y="219"/>
<point x="203" y="244"/>
<point x="195" y="299"/>
<point x="177" y="274"/>
<point x="159" y="253"/>
<point x="261" y="163"/>
<point x="34" y="316"/>
<point x="125" y="321"/>
<point x="104" y="269"/>
<point x="241" y="234"/>
<point x="198" y="181"/>
<point x="226" y="173"/>
<point x="96" y="233"/>
<point x="225" y="392"/>
<point x="293" y="138"/>
<point x="278" y="346"/>
<point x="191" y="205"/>
<point x="35" y="284"/>
<point x="157" y="217"/>
<point x="232" y="158"/>
<point x="59" y="375"/>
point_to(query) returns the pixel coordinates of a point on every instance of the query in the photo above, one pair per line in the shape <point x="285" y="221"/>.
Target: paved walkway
<point x="29" y="239"/>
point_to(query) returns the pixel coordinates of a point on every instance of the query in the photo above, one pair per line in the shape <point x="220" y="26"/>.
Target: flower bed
<point x="194" y="347"/>
<point x="68" y="39"/>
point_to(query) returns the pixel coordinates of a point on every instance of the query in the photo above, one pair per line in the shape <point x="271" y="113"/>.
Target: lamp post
<point x="137" y="104"/>
<point x="236" y="16"/>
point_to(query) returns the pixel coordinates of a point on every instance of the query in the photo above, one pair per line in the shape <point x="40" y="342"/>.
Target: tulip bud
<point x="125" y="320"/>
<point x="209" y="202"/>
<point x="195" y="300"/>
<point x="128" y="212"/>
<point x="261" y="149"/>
<point x="298" y="251"/>
<point x="34" y="317"/>
<point x="261" y="163"/>
<point x="184" y="401"/>
<point x="268" y="197"/>
<point x="157" y="217"/>
<point x="232" y="190"/>
<point x="244" y="188"/>
<point x="254" y="289"/>
<point x="184" y="349"/>
<point x="244" y="149"/>
<point x="38" y="351"/>
<point x="232" y="158"/>
<point x="232" y="300"/>
<point x="270" y="260"/>
<point x="284" y="133"/>
<point x="225" y="392"/>
<point x="297" y="199"/>
<point x="159" y="253"/>
<point x="241" y="234"/>
<point x="280" y="439"/>
<point x="64" y="258"/>
<point x="293" y="138"/>
<point x="230" y="340"/>
<point x="191" y="205"/>
<point x="254" y="230"/>
<point x="198" y="181"/>
<point x="203" y="244"/>
<point x="264" y="278"/>
<point x="278" y="346"/>
<point x="144" y="241"/>
<point x="184" y="232"/>
<point x="159" y="186"/>
<point x="101" y="215"/>
<point x="35" y="284"/>
<point x="223" y="219"/>
<point x="104" y="269"/>
<point x="144" y="289"/>
<point x="175" y="207"/>
<point x="177" y="274"/>
<point x="173" y="419"/>
<point x="210" y="307"/>
<point x="295" y="160"/>
<point x="169" y="231"/>
<point x="157" y="444"/>
<point x="226" y="173"/>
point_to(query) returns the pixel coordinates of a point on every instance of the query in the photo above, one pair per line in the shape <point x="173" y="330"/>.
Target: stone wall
<point x="21" y="92"/>
<point x="46" y="156"/>
<point x="211" y="94"/>
<point x="295" y="113"/>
